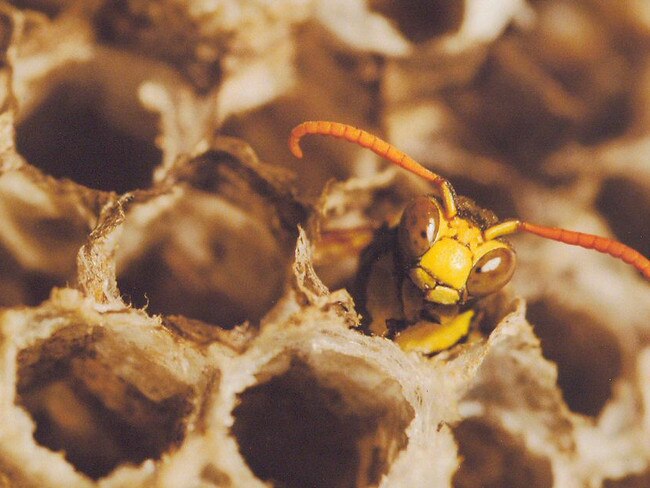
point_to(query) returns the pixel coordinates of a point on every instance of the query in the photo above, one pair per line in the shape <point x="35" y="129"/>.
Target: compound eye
<point x="419" y="226"/>
<point x="491" y="272"/>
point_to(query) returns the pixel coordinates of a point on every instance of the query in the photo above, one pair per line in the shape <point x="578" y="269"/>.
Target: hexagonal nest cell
<point x="67" y="136"/>
<point x="492" y="458"/>
<point x="19" y="286"/>
<point x="43" y="229"/>
<point x="588" y="356"/>
<point x="98" y="418"/>
<point x="295" y="429"/>
<point x="86" y="122"/>
<point x="423" y="20"/>
<point x="632" y="481"/>
<point x="625" y="204"/>
<point x="196" y="259"/>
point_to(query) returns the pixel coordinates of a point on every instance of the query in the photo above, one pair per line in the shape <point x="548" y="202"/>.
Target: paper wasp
<point x="445" y="254"/>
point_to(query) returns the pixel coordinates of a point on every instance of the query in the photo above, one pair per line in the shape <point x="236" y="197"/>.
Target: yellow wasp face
<point x="450" y="260"/>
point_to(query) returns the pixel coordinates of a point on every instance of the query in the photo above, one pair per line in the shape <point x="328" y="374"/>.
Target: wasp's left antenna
<point x="573" y="238"/>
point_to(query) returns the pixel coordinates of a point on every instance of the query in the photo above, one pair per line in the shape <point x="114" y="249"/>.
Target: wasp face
<point x="449" y="260"/>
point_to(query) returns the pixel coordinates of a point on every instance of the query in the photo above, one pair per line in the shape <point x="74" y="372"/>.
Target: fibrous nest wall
<point x="170" y="316"/>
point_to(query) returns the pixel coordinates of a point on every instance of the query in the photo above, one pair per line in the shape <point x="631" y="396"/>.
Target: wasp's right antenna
<point x="378" y="146"/>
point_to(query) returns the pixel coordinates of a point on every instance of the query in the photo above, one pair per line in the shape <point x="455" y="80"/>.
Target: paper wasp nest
<point x="169" y="316"/>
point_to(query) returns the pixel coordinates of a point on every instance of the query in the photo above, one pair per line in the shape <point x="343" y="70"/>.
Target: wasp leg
<point x="332" y="244"/>
<point x="428" y="337"/>
<point x="382" y="299"/>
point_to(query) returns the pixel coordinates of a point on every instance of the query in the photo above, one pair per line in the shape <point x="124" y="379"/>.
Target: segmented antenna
<point x="378" y="146"/>
<point x="590" y="241"/>
<point x="395" y="156"/>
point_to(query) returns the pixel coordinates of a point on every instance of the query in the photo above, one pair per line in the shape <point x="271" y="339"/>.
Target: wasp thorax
<point x="419" y="227"/>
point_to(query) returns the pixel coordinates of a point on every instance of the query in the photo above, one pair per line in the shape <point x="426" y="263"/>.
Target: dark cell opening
<point x="492" y="458"/>
<point x="217" y="254"/>
<point x="38" y="286"/>
<point x="49" y="7"/>
<point x="67" y="136"/>
<point x="641" y="480"/>
<point x="152" y="282"/>
<point x="6" y="35"/>
<point x="508" y="112"/>
<point x="294" y="432"/>
<point x="19" y="286"/>
<point x="43" y="232"/>
<point x="587" y="355"/>
<point x="164" y="31"/>
<point x="626" y="206"/>
<point x="611" y="118"/>
<point x="97" y="419"/>
<point x="420" y="20"/>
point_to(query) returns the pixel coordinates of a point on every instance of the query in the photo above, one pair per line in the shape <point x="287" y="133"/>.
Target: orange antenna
<point x="588" y="241"/>
<point x="378" y="146"/>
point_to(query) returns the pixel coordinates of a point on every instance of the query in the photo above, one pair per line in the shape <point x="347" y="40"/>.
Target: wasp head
<point x="449" y="258"/>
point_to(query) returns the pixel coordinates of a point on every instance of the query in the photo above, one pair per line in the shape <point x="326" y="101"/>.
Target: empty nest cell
<point x="49" y="7"/>
<point x="43" y="229"/>
<point x="164" y="30"/>
<point x="197" y="259"/>
<point x="641" y="480"/>
<point x="523" y="132"/>
<point x="90" y="127"/>
<point x="299" y="429"/>
<point x="98" y="419"/>
<point x="19" y="286"/>
<point x="588" y="356"/>
<point x="535" y="91"/>
<point x="626" y="205"/>
<point x="421" y="20"/>
<point x="493" y="458"/>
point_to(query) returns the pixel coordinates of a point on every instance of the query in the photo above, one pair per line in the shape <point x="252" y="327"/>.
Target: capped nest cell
<point x="177" y="291"/>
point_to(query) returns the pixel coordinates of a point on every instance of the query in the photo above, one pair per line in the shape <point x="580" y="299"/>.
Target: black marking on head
<point x="469" y="210"/>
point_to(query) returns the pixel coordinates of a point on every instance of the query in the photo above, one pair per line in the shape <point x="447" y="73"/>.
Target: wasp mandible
<point x="446" y="253"/>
